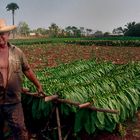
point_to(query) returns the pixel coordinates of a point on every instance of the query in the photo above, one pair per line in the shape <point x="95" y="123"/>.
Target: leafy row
<point x="104" y="84"/>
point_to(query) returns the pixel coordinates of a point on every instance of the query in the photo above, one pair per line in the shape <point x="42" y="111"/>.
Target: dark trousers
<point x="13" y="114"/>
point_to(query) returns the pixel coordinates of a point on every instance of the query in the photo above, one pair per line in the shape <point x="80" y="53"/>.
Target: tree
<point x="106" y="34"/>
<point x="41" y="31"/>
<point x="89" y="31"/>
<point x="133" y="31"/>
<point x="129" y="26"/>
<point x="76" y="31"/>
<point x="12" y="7"/>
<point x="82" y="30"/>
<point x="73" y="31"/>
<point x="98" y="34"/>
<point x="118" y="31"/>
<point x="69" y="31"/>
<point x="23" y="29"/>
<point x="54" y="30"/>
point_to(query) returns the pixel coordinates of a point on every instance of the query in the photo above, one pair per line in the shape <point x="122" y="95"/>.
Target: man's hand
<point x="23" y="90"/>
<point x="41" y="94"/>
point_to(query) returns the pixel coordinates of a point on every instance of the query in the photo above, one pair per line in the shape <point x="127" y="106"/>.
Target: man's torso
<point x="4" y="64"/>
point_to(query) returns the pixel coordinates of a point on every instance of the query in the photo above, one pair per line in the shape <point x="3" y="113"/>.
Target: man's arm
<point x="31" y="76"/>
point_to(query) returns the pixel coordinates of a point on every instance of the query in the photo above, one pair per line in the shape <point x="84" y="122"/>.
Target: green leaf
<point x="80" y="120"/>
<point x="109" y="126"/>
<point x="89" y="124"/>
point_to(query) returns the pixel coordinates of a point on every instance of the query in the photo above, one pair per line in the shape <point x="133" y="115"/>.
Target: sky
<point x="103" y="15"/>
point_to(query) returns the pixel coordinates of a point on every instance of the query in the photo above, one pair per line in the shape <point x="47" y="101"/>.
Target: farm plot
<point x="103" y="81"/>
<point x="51" y="55"/>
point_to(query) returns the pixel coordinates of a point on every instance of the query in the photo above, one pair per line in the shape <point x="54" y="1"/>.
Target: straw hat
<point x="4" y="27"/>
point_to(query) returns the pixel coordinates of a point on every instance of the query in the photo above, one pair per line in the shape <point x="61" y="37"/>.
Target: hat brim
<point x="7" y="28"/>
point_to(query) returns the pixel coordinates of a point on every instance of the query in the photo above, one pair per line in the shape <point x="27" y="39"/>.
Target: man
<point x="13" y="64"/>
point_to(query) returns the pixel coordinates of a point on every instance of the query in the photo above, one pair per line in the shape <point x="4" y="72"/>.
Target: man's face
<point x="4" y="38"/>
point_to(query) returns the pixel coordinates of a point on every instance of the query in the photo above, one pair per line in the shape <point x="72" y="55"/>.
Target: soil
<point x="51" y="55"/>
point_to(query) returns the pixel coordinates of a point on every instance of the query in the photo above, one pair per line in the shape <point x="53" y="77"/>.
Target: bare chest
<point x="4" y="59"/>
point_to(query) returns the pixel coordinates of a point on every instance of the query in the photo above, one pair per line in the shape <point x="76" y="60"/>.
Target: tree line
<point x="53" y="30"/>
<point x="130" y="29"/>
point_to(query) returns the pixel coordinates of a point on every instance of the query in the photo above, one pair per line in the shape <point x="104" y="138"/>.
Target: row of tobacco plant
<point x="98" y="41"/>
<point x="103" y="84"/>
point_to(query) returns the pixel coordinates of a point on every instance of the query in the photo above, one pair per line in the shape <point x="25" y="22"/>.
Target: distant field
<point x="102" y="41"/>
<point x="50" y="55"/>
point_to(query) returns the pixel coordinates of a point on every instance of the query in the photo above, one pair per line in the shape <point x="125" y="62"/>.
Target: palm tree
<point x="88" y="31"/>
<point x="129" y="26"/>
<point x="12" y="7"/>
<point x="54" y="30"/>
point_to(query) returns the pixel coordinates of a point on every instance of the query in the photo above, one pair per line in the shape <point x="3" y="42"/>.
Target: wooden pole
<point x="87" y="106"/>
<point x="58" y="124"/>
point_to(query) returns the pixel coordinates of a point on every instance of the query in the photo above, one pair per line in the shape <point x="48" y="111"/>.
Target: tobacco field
<point x="108" y="77"/>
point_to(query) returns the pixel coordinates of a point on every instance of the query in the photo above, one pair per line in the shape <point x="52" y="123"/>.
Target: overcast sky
<point x="104" y="15"/>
